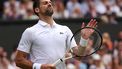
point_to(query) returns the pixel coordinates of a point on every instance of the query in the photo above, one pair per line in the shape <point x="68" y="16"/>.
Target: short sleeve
<point x="25" y="41"/>
<point x="70" y="43"/>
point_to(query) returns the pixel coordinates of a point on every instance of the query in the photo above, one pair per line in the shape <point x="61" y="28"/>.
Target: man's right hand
<point x="48" y="66"/>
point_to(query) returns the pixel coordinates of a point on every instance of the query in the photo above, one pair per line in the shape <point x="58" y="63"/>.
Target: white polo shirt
<point x="45" y="43"/>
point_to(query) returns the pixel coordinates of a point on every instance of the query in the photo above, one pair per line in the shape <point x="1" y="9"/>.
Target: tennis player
<point x="45" y="42"/>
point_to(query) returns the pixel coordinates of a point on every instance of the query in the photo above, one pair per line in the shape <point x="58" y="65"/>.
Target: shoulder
<point x="31" y="28"/>
<point x="27" y="32"/>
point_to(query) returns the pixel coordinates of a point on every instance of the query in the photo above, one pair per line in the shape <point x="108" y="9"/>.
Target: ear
<point x="36" y="10"/>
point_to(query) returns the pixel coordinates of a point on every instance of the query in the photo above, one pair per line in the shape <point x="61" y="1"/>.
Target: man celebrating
<point x="46" y="41"/>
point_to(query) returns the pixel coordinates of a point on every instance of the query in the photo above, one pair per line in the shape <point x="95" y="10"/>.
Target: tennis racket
<point x="94" y="43"/>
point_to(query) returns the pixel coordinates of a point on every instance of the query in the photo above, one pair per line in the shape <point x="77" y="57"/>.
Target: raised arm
<point x="85" y="34"/>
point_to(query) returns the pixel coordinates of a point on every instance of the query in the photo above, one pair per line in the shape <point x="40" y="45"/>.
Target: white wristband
<point x="36" y="66"/>
<point x="83" y="42"/>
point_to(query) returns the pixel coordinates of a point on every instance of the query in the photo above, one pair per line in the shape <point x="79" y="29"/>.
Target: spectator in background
<point x="111" y="11"/>
<point x="30" y="15"/>
<point x="12" y="60"/>
<point x="11" y="8"/>
<point x="120" y="35"/>
<point x="28" y="4"/>
<point x="84" y="6"/>
<point x="90" y="62"/>
<point x="60" y="11"/>
<point x="120" y="52"/>
<point x="82" y="65"/>
<point x="115" y="8"/>
<point x="112" y="19"/>
<point x="65" y="2"/>
<point x="74" y="8"/>
<point x="97" y="62"/>
<point x="106" y="57"/>
<point x="26" y="10"/>
<point x="71" y="64"/>
<point x="107" y="42"/>
<point x="91" y="13"/>
<point x="118" y="59"/>
<point x="4" y="62"/>
<point x="119" y="3"/>
<point x="110" y="15"/>
<point x="116" y="44"/>
<point x="22" y="10"/>
<point x="101" y="6"/>
<point x="76" y="13"/>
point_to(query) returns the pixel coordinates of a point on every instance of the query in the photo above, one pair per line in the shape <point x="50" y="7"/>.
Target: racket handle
<point x="57" y="62"/>
<point x="61" y="60"/>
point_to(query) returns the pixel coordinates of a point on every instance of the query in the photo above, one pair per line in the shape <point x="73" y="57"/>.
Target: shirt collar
<point x="44" y="24"/>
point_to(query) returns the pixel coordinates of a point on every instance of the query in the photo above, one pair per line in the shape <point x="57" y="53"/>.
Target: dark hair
<point x="35" y="5"/>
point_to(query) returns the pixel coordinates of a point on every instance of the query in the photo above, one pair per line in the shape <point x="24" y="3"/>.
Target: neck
<point x="47" y="19"/>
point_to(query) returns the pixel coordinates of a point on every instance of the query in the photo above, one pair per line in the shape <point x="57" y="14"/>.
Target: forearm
<point x="23" y="63"/>
<point x="26" y="64"/>
<point x="82" y="46"/>
<point x="80" y="49"/>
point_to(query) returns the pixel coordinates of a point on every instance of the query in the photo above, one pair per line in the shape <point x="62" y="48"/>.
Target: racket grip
<point x="57" y="62"/>
<point x="61" y="60"/>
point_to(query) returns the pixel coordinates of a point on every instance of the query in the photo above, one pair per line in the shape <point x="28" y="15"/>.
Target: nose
<point x="49" y="4"/>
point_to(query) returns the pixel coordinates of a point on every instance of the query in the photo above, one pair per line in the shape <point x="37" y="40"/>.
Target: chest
<point x="50" y="36"/>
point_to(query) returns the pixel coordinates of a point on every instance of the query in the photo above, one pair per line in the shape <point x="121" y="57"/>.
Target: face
<point x="46" y="8"/>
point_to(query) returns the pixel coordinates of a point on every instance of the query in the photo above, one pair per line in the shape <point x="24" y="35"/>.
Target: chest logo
<point x="61" y="33"/>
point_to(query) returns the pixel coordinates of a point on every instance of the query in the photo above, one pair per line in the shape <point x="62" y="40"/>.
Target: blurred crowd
<point x="108" y="57"/>
<point x="6" y="63"/>
<point x="107" y="10"/>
